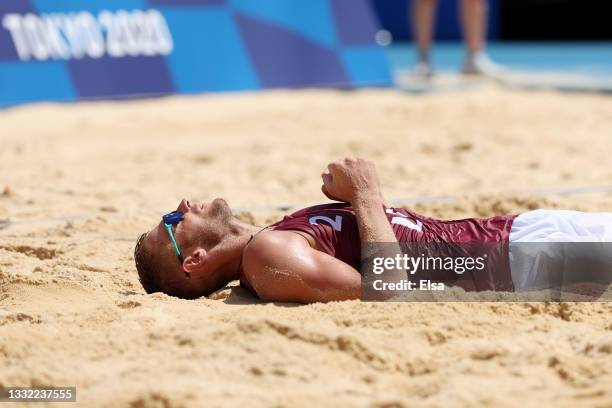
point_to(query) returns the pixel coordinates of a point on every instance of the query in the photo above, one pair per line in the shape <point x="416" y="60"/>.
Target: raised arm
<point x="282" y="266"/>
<point x="355" y="181"/>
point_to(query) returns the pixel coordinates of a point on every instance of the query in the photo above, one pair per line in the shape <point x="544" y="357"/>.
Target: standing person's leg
<point x="423" y="16"/>
<point x="474" y="23"/>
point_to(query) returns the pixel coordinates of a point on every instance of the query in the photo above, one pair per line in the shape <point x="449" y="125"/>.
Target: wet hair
<point x="147" y="275"/>
<point x="151" y="277"/>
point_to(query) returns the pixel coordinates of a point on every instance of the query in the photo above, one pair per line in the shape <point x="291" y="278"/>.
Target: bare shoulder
<point x="270" y="237"/>
<point x="271" y="264"/>
<point x="272" y="247"/>
<point x="282" y="266"/>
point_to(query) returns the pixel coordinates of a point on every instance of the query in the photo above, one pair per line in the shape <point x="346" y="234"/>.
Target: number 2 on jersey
<point x="335" y="223"/>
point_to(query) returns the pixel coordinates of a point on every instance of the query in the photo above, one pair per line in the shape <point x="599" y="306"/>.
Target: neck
<point x="227" y="255"/>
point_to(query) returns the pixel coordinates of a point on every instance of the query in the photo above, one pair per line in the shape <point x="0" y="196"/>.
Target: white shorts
<point x="561" y="226"/>
<point x="534" y="266"/>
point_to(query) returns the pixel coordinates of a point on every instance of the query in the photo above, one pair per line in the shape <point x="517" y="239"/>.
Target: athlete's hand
<point x="350" y="180"/>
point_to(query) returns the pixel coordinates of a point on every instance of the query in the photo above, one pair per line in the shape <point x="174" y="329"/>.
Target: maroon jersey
<point x="334" y="228"/>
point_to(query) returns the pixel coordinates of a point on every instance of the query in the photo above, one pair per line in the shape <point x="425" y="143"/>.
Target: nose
<point x="184" y="206"/>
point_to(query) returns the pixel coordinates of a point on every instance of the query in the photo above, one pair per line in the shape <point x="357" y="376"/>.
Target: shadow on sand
<point x="233" y="294"/>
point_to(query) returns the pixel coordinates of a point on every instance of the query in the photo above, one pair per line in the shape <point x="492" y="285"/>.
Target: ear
<point x="195" y="261"/>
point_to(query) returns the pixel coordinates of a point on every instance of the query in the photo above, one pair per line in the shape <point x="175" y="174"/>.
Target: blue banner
<point x="66" y="50"/>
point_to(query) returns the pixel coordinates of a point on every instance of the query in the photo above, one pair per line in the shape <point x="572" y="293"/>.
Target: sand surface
<point x="79" y="182"/>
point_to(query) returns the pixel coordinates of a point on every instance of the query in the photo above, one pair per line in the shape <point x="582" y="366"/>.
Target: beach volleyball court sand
<point x="79" y="182"/>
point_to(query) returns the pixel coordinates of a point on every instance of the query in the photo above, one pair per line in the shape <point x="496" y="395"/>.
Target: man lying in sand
<point x="314" y="254"/>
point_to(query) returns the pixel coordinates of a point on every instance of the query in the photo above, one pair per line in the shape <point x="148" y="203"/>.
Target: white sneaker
<point x="422" y="70"/>
<point x="481" y="64"/>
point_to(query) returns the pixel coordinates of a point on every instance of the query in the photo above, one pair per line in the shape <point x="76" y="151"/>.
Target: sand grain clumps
<point x="72" y="311"/>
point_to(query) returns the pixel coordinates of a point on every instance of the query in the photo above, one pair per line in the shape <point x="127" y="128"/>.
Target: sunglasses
<point x="171" y="219"/>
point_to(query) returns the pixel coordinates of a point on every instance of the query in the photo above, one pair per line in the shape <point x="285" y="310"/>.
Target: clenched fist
<point x="350" y="180"/>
